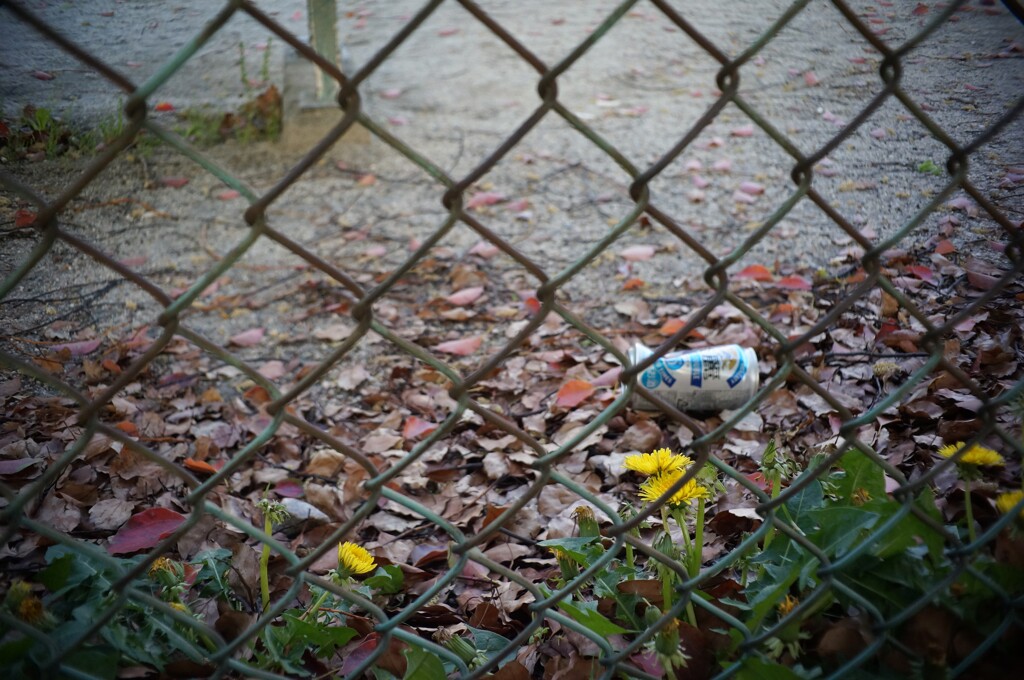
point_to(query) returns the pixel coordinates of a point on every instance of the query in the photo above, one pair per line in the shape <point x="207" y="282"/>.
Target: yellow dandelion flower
<point x="655" y="487"/>
<point x="354" y="559"/>
<point x="1006" y="502"/>
<point x="975" y="455"/>
<point x="160" y="564"/>
<point x="30" y="610"/>
<point x="787" y="605"/>
<point x="179" y="606"/>
<point x="657" y="462"/>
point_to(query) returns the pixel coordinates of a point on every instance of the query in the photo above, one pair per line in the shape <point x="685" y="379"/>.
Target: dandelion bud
<point x="586" y="521"/>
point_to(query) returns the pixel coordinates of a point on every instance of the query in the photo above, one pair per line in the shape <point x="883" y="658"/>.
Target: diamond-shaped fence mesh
<point x="836" y="557"/>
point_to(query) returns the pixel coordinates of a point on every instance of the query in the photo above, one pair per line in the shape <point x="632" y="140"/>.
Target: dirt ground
<point x="640" y="87"/>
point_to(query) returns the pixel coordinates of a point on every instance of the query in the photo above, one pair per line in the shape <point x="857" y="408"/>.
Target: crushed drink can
<point x="707" y="379"/>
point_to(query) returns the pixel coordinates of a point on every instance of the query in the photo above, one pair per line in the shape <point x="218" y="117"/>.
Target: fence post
<point x="323" y="36"/>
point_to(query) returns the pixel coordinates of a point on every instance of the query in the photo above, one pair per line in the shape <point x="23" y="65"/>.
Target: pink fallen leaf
<point x="462" y="347"/>
<point x="637" y="253"/>
<point x="173" y="181"/>
<point x="445" y="32"/>
<point x="465" y="296"/>
<point x="964" y="204"/>
<point x="573" y="392"/>
<point x="794" y="283"/>
<point x="415" y="428"/>
<point x="13" y="467"/>
<point x="272" y="370"/>
<point x="878" y="133"/>
<point x="144" y="530"/>
<point x="973" y="88"/>
<point x="136" y="261"/>
<point x="398" y="120"/>
<point x="715" y="142"/>
<point x="247" y="338"/>
<point x="743" y="197"/>
<point x="367" y="180"/>
<point x="519" y="205"/>
<point x="693" y="165"/>
<point x="391" y="93"/>
<point x="722" y="165"/>
<point x="700" y="182"/>
<point x="297" y="15"/>
<point x="696" y="195"/>
<point x="756" y="272"/>
<point x="42" y="75"/>
<point x="228" y="195"/>
<point x="485" y="198"/>
<point x="857" y="60"/>
<point x="743" y="131"/>
<point x="376" y="251"/>
<point x="920" y="10"/>
<point x="80" y="348"/>
<point x="811" y="79"/>
<point x="289" y="488"/>
<point x="751" y="188"/>
<point x="484" y="249"/>
<point x="608" y="378"/>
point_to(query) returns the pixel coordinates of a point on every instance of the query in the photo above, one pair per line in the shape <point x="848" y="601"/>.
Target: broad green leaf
<point x="387" y="580"/>
<point x="862" y="476"/>
<point x="839" y="528"/>
<point x="586" y="614"/>
<point x="94" y="662"/>
<point x="809" y="498"/>
<point x="423" y="665"/>
<point x="573" y="546"/>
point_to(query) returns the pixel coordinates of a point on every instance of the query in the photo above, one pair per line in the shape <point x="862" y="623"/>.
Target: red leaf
<point x="42" y="75"/>
<point x="247" y="338"/>
<point x="463" y="347"/>
<point x="228" y="194"/>
<point x="144" y="530"/>
<point x="164" y="106"/>
<point x="465" y="296"/>
<point x="920" y="10"/>
<point x="633" y="284"/>
<point x="921" y="272"/>
<point x="174" y="181"/>
<point x="573" y="392"/>
<point x="671" y="326"/>
<point x="810" y="78"/>
<point x="415" y="428"/>
<point x="24" y="218"/>
<point x="757" y="272"/>
<point x="637" y="253"/>
<point x="794" y="283"/>
<point x="532" y="304"/>
<point x="945" y="247"/>
<point x="200" y="466"/>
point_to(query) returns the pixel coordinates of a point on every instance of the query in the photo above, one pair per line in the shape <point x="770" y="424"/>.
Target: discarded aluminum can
<point x="707" y="379"/>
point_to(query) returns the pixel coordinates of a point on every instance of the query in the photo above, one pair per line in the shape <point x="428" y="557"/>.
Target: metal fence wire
<point x="821" y="567"/>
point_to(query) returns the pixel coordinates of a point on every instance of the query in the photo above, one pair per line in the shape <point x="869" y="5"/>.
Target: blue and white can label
<point x="707" y="379"/>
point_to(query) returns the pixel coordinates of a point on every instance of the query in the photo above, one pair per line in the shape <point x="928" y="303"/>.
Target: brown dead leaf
<point x="110" y="513"/>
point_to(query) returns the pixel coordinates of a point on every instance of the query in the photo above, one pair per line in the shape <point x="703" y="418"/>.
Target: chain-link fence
<point x="860" y="567"/>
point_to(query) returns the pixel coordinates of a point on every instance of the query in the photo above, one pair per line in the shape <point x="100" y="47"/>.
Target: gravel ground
<point x="454" y="92"/>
